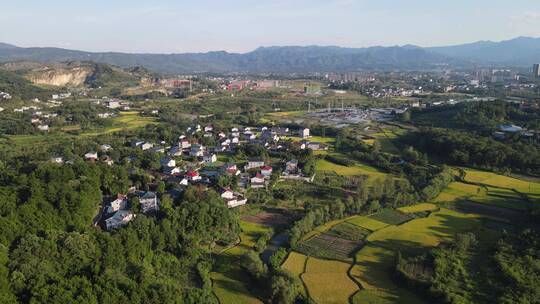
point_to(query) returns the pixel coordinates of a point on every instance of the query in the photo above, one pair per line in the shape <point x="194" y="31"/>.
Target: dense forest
<point x="477" y="116"/>
<point x="50" y="253"/>
<point x="458" y="271"/>
<point x="466" y="149"/>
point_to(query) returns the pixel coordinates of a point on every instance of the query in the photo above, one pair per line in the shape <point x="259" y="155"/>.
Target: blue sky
<point x="242" y="25"/>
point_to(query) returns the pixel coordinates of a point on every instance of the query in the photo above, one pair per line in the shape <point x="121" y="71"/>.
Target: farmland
<point x="327" y="281"/>
<point x="375" y="260"/>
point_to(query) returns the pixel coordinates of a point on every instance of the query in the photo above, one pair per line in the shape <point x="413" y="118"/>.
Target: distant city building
<point x="536" y="70"/>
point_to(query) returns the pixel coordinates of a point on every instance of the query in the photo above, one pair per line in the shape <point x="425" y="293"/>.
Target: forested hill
<point x="272" y="59"/>
<point x="301" y="59"/>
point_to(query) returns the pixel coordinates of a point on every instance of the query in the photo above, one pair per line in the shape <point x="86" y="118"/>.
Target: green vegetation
<point x="21" y="88"/>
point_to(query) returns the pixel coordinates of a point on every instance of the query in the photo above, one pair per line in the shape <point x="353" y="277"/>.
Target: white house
<point x="91" y="156"/>
<point x="266" y="171"/>
<point x="168" y="162"/>
<point x="257" y="181"/>
<point x="107" y="160"/>
<point x="209" y="158"/>
<point x="43" y="128"/>
<point x="105" y="147"/>
<point x="147" y="146"/>
<point x="184" y="143"/>
<point x="291" y="166"/>
<point x="254" y="163"/>
<point x="232" y="199"/>
<point x="119" y="219"/>
<point x="176" y="151"/>
<point x="149" y="202"/>
<point x="208" y="128"/>
<point x="316" y="146"/>
<point x="57" y="159"/>
<point x="120" y="203"/>
<point x="230" y="169"/>
<point x="171" y="170"/>
<point x="510" y="128"/>
<point x="303" y="132"/>
<point x="196" y="150"/>
<point x="193" y="176"/>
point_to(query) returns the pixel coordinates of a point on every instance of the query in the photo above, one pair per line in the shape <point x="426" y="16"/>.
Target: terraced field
<point x="327" y="281"/>
<point x="374" y="262"/>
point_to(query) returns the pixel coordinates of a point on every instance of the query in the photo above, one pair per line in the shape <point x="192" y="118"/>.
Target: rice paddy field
<point x="327" y="281"/>
<point x="528" y="188"/>
<point x="492" y="189"/>
<point x="367" y="223"/>
<point x="419" y="208"/>
<point x="295" y="263"/>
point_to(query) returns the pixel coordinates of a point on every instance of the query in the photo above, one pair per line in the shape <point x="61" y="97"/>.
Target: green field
<point x="528" y="188"/>
<point x="358" y="169"/>
<point x="367" y="223"/>
<point x="374" y="262"/>
<point x="126" y="121"/>
<point x="419" y="208"/>
<point x="390" y="217"/>
<point x="327" y="281"/>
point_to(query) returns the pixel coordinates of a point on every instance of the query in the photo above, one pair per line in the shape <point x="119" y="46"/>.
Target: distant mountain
<point x="521" y="51"/>
<point x="287" y="59"/>
<point x="270" y="59"/>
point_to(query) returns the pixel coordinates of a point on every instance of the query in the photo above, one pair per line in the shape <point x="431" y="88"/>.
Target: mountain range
<point x="519" y="52"/>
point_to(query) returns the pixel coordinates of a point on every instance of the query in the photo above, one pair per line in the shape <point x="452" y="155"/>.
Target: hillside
<point x="74" y="73"/>
<point x="521" y="51"/>
<point x="20" y="87"/>
<point x="272" y="59"/>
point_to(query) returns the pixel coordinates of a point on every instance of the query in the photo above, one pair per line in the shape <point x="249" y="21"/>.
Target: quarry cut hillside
<point x="76" y="76"/>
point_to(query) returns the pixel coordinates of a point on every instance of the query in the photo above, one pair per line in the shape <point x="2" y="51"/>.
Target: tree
<point x="285" y="288"/>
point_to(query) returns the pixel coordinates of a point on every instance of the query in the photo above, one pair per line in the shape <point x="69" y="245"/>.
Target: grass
<point x="529" y="188"/>
<point x="491" y="189"/>
<point x="126" y="121"/>
<point x="327" y="281"/>
<point x="375" y="261"/>
<point x="459" y="190"/>
<point x="419" y="208"/>
<point x="230" y="288"/>
<point x="358" y="169"/>
<point x="367" y="223"/>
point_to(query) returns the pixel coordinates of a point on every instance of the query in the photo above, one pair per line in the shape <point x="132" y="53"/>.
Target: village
<point x="188" y="162"/>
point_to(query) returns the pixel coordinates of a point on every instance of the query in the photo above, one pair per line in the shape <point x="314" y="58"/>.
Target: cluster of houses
<point x="506" y="130"/>
<point x="4" y="95"/>
<point x="117" y="213"/>
<point x="199" y="167"/>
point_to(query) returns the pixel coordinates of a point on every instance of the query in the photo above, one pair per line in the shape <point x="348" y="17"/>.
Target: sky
<point x="178" y="26"/>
